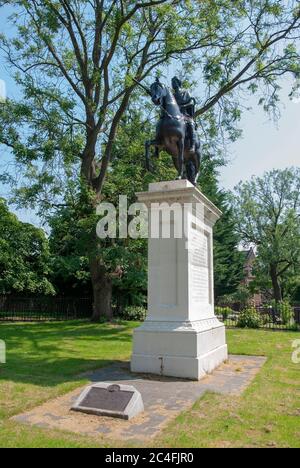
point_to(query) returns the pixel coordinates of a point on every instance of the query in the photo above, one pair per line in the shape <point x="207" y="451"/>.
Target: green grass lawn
<point x="44" y="360"/>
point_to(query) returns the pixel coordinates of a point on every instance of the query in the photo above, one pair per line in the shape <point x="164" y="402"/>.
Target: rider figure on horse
<point x="187" y="107"/>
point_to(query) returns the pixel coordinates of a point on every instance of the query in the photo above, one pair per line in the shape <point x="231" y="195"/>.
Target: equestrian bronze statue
<point x="175" y="132"/>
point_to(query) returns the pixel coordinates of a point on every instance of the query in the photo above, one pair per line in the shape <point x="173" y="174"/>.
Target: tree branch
<point x="236" y="81"/>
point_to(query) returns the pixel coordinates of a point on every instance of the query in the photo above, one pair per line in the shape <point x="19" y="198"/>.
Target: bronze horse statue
<point x="172" y="135"/>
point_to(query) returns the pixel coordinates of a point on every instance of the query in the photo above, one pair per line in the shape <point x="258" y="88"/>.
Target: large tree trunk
<point x="275" y="282"/>
<point x="101" y="281"/>
<point x="102" y="290"/>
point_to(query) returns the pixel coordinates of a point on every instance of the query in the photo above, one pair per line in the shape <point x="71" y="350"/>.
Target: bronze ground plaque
<point x="104" y="399"/>
<point x="111" y="398"/>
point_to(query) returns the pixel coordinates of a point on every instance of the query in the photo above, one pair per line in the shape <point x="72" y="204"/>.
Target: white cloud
<point x="296" y="99"/>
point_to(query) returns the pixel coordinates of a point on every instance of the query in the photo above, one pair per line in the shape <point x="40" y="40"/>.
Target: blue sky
<point x="265" y="145"/>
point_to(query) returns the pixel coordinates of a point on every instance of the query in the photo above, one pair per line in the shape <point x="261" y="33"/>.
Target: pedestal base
<point x="187" y="350"/>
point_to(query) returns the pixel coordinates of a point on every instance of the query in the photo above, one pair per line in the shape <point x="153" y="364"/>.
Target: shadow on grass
<point x="50" y="354"/>
<point x="50" y="374"/>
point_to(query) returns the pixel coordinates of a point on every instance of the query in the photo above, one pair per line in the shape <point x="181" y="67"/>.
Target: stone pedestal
<point x="181" y="336"/>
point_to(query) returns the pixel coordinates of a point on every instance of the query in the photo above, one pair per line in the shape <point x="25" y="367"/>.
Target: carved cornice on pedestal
<point x="196" y="326"/>
<point x="180" y="191"/>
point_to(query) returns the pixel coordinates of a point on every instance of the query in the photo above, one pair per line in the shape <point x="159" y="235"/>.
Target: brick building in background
<point x="249" y="276"/>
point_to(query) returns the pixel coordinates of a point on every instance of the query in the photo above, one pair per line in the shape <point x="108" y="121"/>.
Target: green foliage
<point x="285" y="311"/>
<point x="70" y="235"/>
<point x="249" y="318"/>
<point x="134" y="313"/>
<point x="267" y="213"/>
<point x="291" y="285"/>
<point x="242" y="296"/>
<point x="228" y="260"/>
<point x="224" y="312"/>
<point x="296" y="293"/>
<point x="24" y="257"/>
<point x="239" y="299"/>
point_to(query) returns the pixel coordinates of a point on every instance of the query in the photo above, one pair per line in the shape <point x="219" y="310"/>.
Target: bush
<point x="294" y="327"/>
<point x="223" y="312"/>
<point x="266" y="320"/>
<point x="134" y="313"/>
<point x="249" y="318"/>
<point x="226" y="300"/>
<point x="285" y="311"/>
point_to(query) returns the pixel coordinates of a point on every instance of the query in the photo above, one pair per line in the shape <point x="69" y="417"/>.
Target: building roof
<point x="250" y="253"/>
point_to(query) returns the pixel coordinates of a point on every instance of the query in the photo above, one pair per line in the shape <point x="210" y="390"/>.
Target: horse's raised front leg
<point x="180" y="159"/>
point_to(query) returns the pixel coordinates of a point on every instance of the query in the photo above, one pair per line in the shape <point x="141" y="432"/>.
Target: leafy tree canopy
<point x="24" y="256"/>
<point x="268" y="215"/>
<point x="228" y="260"/>
<point x="75" y="62"/>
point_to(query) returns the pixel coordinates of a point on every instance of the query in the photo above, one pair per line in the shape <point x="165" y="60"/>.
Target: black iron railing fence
<point x="269" y="318"/>
<point x="28" y="309"/>
<point x="38" y="309"/>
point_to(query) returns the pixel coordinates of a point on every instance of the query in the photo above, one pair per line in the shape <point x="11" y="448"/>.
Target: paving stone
<point x="164" y="398"/>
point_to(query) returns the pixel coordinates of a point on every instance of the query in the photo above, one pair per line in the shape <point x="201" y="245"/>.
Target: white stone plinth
<point x="181" y="336"/>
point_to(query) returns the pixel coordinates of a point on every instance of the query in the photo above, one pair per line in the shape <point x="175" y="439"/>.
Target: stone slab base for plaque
<point x="164" y="399"/>
<point x="184" y="350"/>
